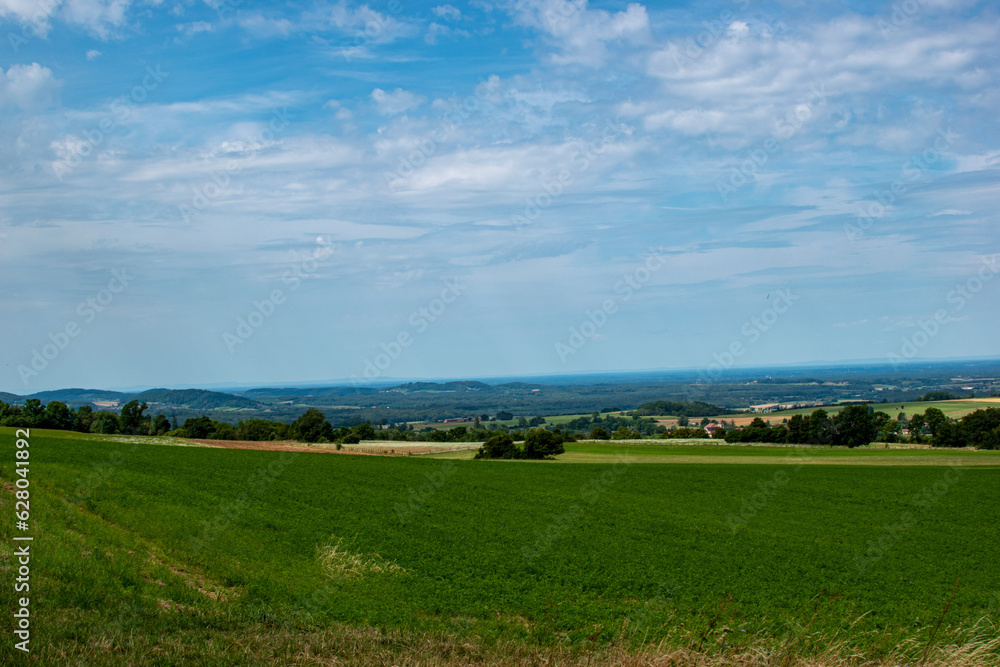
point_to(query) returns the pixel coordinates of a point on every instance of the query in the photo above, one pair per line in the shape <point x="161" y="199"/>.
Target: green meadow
<point x="162" y="554"/>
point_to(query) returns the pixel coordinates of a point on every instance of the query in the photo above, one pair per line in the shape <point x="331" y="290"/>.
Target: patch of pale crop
<point x="341" y="563"/>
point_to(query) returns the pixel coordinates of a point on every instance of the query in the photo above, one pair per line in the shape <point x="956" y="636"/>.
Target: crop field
<point x="161" y="554"/>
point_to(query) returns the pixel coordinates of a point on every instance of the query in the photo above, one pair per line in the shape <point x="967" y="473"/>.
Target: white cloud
<point x="264" y="26"/>
<point x="368" y="25"/>
<point x="582" y="35"/>
<point x="188" y="29"/>
<point x="397" y="101"/>
<point x="100" y="17"/>
<point x="36" y="14"/>
<point x="435" y="30"/>
<point x="28" y="87"/>
<point x="747" y="80"/>
<point x="30" y="11"/>
<point x="447" y="12"/>
<point x="93" y="54"/>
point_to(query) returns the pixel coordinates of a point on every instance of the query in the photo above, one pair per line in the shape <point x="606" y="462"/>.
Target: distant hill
<point x="73" y="397"/>
<point x="10" y="398"/>
<point x="471" y="385"/>
<point x="291" y="392"/>
<point x="194" y="399"/>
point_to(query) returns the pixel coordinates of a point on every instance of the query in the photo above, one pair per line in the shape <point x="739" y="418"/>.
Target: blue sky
<point x="200" y="192"/>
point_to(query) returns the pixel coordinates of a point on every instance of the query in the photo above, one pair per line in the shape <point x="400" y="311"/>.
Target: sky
<point x="231" y="191"/>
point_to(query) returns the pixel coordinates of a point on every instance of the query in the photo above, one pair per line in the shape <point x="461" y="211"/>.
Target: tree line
<point x="858" y="425"/>
<point x="57" y="415"/>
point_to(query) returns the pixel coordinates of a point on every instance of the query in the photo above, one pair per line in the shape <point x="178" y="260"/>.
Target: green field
<point x="159" y="554"/>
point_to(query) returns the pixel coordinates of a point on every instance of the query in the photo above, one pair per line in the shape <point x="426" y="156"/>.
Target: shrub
<point x="498" y="446"/>
<point x="541" y="444"/>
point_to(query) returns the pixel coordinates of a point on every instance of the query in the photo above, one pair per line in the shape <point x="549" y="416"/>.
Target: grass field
<point x="162" y="555"/>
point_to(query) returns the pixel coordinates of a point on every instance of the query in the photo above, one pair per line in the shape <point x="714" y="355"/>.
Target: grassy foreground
<point x="168" y="555"/>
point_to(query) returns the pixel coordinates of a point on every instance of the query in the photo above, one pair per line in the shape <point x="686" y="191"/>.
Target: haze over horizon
<point x="219" y="192"/>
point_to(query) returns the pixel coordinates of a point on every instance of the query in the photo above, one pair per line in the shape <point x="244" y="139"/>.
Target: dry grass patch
<point x="342" y="563"/>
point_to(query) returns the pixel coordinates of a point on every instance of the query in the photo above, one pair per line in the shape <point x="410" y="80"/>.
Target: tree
<point x="938" y="396"/>
<point x="948" y="434"/>
<point x="540" y="444"/>
<point x="159" y="425"/>
<point x="32" y="413"/>
<point x="820" y="427"/>
<point x="916" y="426"/>
<point x="934" y="418"/>
<point x="197" y="428"/>
<point x="498" y="446"/>
<point x="436" y="435"/>
<point x="854" y="426"/>
<point x="84" y="418"/>
<point x="364" y="431"/>
<point x="312" y="425"/>
<point x="104" y="422"/>
<point x="979" y="429"/>
<point x="504" y="416"/>
<point x="258" y="430"/>
<point x="890" y="431"/>
<point x="798" y="429"/>
<point x="599" y="433"/>
<point x="131" y="418"/>
<point x="683" y="420"/>
<point x="57" y="416"/>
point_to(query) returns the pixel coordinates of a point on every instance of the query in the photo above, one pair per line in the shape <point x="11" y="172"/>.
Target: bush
<point x="498" y="446"/>
<point x="624" y="433"/>
<point x="311" y="426"/>
<point x="599" y="434"/>
<point x="541" y="444"/>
